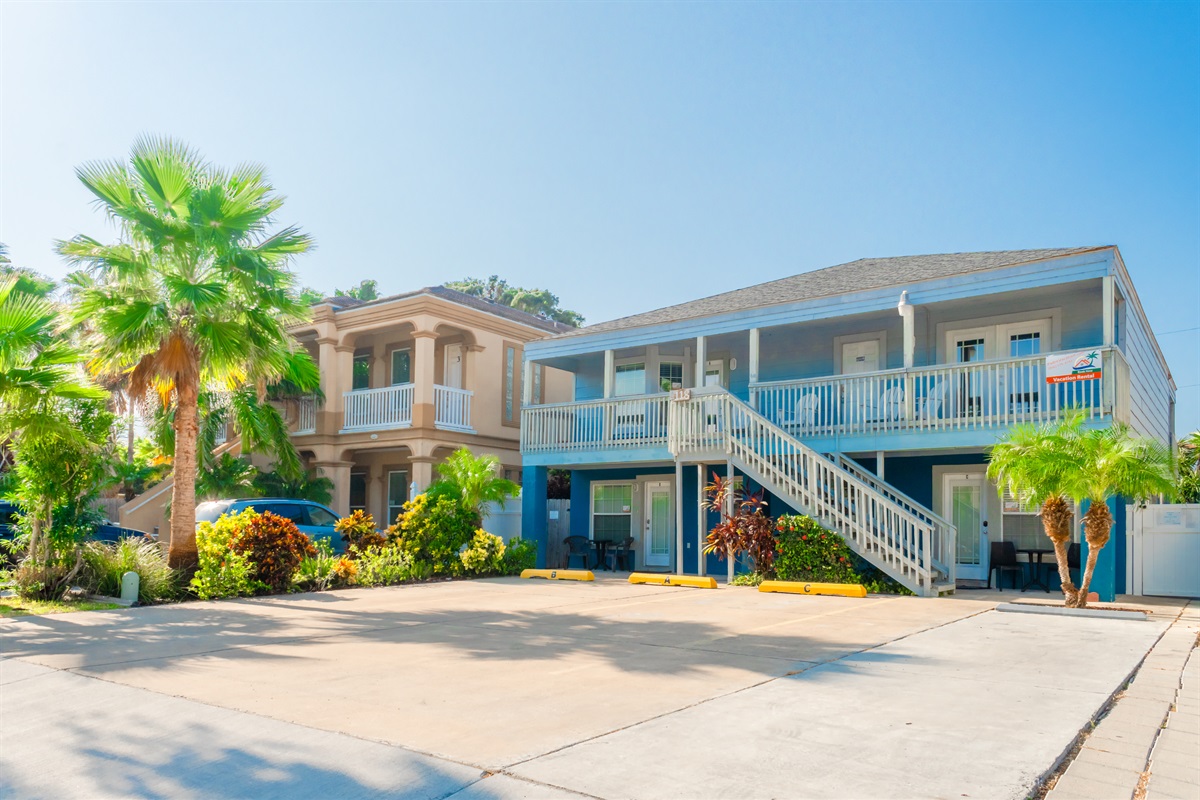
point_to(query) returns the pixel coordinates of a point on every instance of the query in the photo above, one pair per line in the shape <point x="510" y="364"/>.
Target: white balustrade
<point x="623" y="423"/>
<point x="306" y="415"/>
<point x="452" y="407"/>
<point x="389" y="407"/>
<point x="949" y="397"/>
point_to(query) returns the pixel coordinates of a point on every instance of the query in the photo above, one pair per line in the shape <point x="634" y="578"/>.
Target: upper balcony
<point x="392" y="407"/>
<point x="952" y="374"/>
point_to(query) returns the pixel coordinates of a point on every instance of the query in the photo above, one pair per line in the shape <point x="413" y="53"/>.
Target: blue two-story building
<point x="865" y="395"/>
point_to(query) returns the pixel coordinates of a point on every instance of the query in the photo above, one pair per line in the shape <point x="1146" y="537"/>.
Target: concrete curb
<point x="1094" y="613"/>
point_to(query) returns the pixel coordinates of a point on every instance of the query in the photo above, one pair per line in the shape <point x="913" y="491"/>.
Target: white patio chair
<point x="803" y="416"/>
<point x="935" y="400"/>
<point x="891" y="404"/>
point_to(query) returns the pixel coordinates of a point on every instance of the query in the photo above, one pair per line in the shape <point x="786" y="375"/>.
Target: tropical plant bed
<point x="1096" y="612"/>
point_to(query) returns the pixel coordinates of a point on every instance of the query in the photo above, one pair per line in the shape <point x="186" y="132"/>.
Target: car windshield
<point x="210" y="512"/>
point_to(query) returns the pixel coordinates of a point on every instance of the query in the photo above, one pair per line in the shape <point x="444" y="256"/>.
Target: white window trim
<point x="855" y="338"/>
<point x="627" y="362"/>
<point x="997" y="322"/>
<point x="633" y="505"/>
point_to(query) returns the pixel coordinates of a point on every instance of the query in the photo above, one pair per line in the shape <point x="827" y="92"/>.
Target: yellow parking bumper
<point x="800" y="587"/>
<point x="559" y="574"/>
<point x="673" y="580"/>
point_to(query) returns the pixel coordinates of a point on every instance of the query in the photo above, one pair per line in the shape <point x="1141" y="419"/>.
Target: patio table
<point x="601" y="546"/>
<point x="1034" y="556"/>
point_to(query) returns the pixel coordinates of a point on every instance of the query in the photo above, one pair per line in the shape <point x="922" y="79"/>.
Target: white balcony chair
<point x="891" y="404"/>
<point x="803" y="416"/>
<point x="931" y="407"/>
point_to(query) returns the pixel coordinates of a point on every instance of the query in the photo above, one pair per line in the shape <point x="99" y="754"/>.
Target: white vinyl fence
<point x="1164" y="550"/>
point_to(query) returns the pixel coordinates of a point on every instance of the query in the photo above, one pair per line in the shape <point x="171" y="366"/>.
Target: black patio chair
<point x="579" y="551"/>
<point x="620" y="555"/>
<point x="1004" y="559"/>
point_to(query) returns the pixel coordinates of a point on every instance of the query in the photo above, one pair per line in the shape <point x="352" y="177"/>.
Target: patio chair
<point x="935" y="400"/>
<point x="804" y="415"/>
<point x="1003" y="558"/>
<point x="620" y="555"/>
<point x="579" y="552"/>
<point x="891" y="404"/>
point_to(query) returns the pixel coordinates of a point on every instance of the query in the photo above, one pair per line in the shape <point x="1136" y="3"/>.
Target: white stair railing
<point x="452" y="407"/>
<point x="306" y="415"/>
<point x="945" y="535"/>
<point x="389" y="407"/>
<point x="705" y="422"/>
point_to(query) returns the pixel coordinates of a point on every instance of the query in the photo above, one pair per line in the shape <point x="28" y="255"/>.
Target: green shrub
<point x="433" y="529"/>
<point x="484" y="555"/>
<point x="105" y="563"/>
<point x="274" y="546"/>
<point x="748" y="579"/>
<point x="46" y="578"/>
<point x="389" y="565"/>
<point x="358" y="530"/>
<point x="324" y="570"/>
<point x="808" y="552"/>
<point x="519" y="555"/>
<point x="221" y="571"/>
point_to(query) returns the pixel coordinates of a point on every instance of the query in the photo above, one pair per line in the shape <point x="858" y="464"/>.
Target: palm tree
<point x="196" y="293"/>
<point x="476" y="479"/>
<point x="38" y="377"/>
<point x="226" y="476"/>
<point x="1187" y="485"/>
<point x="1112" y="462"/>
<point x="1050" y="465"/>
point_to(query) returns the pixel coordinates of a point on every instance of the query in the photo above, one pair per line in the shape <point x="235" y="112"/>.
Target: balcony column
<point x="1109" y="309"/>
<point x="908" y="313"/>
<point x="754" y="361"/>
<point x="527" y="384"/>
<point x="701" y="359"/>
<point x="339" y="473"/>
<point x="424" y="372"/>
<point x="610" y="373"/>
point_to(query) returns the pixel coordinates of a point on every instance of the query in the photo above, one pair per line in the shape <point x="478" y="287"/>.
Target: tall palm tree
<point x="195" y="294"/>
<point x="1052" y="464"/>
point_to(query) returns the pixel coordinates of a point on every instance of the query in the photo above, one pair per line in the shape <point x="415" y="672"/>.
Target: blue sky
<point x="629" y="156"/>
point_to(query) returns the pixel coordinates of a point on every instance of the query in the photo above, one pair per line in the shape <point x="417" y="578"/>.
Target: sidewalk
<point x="1148" y="744"/>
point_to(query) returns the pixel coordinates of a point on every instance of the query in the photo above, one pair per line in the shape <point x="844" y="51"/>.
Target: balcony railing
<point x="950" y="397"/>
<point x="622" y="423"/>
<point x="452" y="408"/>
<point x="306" y="416"/>
<point x="375" y="409"/>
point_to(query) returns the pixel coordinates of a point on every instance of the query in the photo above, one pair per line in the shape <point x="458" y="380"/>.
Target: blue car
<point x="106" y="532"/>
<point x="311" y="518"/>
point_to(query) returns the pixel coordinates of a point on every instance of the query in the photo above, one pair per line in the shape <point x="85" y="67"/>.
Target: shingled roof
<point x="855" y="276"/>
<point x="463" y="299"/>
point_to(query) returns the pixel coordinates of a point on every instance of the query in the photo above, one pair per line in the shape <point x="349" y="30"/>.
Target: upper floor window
<point x="1025" y="344"/>
<point x="670" y="375"/>
<point x="512" y="385"/>
<point x="362" y="371"/>
<point x="401" y="366"/>
<point x="537" y="385"/>
<point x="631" y="379"/>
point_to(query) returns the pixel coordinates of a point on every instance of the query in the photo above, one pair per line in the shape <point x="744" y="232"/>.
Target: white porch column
<point x="908" y="313"/>
<point x="527" y="384"/>
<point x="679" y="517"/>
<point x="1110" y="308"/>
<point x="879" y="464"/>
<point x="339" y="473"/>
<point x="610" y="373"/>
<point x="729" y="513"/>
<point x="701" y="359"/>
<point x="754" y="342"/>
<point x="701" y="534"/>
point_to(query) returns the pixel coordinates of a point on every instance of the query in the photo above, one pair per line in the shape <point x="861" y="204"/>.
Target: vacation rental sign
<point x="1084" y="365"/>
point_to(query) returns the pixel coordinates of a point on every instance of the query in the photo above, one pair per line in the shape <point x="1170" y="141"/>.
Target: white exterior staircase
<point x="893" y="532"/>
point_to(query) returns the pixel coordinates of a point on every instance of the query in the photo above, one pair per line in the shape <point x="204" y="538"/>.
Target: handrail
<point x="895" y="539"/>
<point x="386" y="407"/>
<point x="452" y="407"/>
<point x="614" y="423"/>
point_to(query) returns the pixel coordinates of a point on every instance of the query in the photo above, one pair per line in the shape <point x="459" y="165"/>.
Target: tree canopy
<point x="541" y="302"/>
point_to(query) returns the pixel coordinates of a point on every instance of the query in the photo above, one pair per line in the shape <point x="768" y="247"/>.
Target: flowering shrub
<point x="521" y="554"/>
<point x="222" y="572"/>
<point x="389" y="565"/>
<point x="808" y="552"/>
<point x="358" y="530"/>
<point x="748" y="530"/>
<point x="433" y="529"/>
<point x="484" y="555"/>
<point x="324" y="570"/>
<point x="275" y="547"/>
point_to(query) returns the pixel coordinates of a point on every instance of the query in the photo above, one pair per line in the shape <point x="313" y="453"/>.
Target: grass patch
<point x="17" y="607"/>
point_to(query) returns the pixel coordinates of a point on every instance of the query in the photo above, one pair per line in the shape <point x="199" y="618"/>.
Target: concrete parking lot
<point x="509" y="688"/>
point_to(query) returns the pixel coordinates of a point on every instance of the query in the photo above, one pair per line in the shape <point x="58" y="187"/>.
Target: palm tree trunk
<point x="1097" y="525"/>
<point x="1057" y="516"/>
<point x="182" y="554"/>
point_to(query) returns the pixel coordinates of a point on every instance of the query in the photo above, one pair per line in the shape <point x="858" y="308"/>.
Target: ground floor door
<point x="965" y="500"/>
<point x="659" y="507"/>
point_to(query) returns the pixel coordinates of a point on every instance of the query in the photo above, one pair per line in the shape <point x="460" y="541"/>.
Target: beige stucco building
<point x="406" y="380"/>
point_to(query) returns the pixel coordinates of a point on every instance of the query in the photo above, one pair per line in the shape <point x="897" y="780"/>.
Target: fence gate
<point x="558" y="527"/>
<point x="1166" y="550"/>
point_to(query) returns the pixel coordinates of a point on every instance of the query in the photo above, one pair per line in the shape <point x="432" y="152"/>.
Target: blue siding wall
<point x="1150" y="394"/>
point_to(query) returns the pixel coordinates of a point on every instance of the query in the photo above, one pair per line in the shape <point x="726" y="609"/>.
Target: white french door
<point x="964" y="502"/>
<point x="659" y="512"/>
<point x="453" y="374"/>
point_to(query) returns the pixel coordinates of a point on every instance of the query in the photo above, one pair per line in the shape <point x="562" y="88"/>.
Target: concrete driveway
<point x="509" y="688"/>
